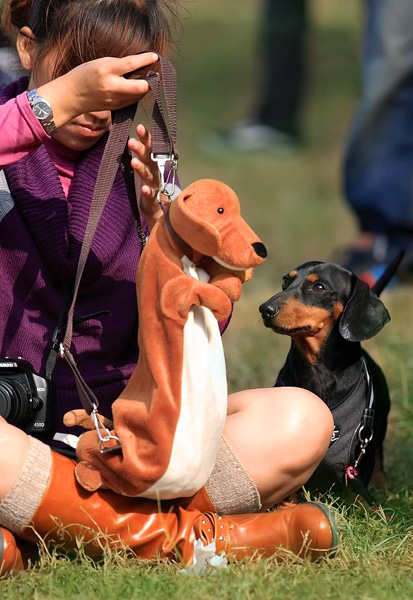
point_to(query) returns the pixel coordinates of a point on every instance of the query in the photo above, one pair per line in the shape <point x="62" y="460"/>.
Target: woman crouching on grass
<point x="273" y="439"/>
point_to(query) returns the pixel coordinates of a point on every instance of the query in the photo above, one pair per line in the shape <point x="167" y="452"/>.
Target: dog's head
<point x="317" y="295"/>
<point x="206" y="215"/>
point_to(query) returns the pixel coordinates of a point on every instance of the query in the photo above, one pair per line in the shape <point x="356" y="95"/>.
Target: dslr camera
<point x="26" y="399"/>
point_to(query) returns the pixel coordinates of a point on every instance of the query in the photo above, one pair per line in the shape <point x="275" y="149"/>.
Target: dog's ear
<point x="193" y="229"/>
<point x="364" y="314"/>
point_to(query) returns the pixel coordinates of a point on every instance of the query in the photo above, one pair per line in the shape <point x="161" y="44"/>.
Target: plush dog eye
<point x="318" y="287"/>
<point x="220" y="211"/>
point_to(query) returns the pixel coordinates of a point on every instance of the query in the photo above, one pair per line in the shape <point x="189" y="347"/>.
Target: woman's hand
<point x="148" y="172"/>
<point x="95" y="86"/>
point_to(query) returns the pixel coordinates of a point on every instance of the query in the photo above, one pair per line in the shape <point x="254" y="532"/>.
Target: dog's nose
<point x="260" y="249"/>
<point x="268" y="311"/>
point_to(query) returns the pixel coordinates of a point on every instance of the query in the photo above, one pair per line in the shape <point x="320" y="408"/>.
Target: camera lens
<point x="14" y="402"/>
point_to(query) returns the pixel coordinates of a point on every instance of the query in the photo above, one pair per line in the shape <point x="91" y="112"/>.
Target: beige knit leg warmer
<point x="19" y="506"/>
<point x="230" y="488"/>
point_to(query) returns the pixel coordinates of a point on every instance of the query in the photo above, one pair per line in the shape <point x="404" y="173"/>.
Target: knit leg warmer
<point x="230" y="487"/>
<point x="20" y="504"/>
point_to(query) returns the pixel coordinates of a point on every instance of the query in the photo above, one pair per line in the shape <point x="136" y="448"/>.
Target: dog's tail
<point x="390" y="271"/>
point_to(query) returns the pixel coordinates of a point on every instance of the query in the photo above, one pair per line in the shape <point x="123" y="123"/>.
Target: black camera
<point x="26" y="399"/>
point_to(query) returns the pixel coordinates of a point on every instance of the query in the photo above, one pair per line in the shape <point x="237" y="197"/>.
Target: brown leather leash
<point x="162" y="83"/>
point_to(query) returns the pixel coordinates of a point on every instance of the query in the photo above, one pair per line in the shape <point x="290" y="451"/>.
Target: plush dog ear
<point x="364" y="314"/>
<point x="193" y="229"/>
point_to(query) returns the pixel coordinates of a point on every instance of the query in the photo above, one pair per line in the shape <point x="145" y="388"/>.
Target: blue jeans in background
<point x="378" y="165"/>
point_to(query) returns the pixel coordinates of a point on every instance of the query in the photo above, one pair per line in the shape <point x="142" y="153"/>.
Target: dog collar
<point x="182" y="245"/>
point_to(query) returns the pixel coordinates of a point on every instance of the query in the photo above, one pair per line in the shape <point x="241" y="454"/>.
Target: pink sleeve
<point x="21" y="132"/>
<point x="224" y="324"/>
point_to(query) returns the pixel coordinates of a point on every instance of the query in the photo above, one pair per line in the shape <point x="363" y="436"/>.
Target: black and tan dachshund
<point x="327" y="311"/>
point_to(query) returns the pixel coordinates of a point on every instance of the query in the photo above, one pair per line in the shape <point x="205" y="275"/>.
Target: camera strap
<point x="116" y="154"/>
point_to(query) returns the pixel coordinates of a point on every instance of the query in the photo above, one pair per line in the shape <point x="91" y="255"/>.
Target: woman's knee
<point x="306" y="425"/>
<point x="279" y="432"/>
<point x="14" y="445"/>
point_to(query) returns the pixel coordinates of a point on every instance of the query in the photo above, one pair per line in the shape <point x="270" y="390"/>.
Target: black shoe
<point x="369" y="259"/>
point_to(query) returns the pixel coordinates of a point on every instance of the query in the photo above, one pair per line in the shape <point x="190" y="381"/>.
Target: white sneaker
<point x="249" y="136"/>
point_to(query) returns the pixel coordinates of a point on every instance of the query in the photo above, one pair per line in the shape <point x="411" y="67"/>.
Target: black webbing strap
<point x="61" y="325"/>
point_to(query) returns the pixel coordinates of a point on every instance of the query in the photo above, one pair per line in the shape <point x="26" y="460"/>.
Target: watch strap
<point x="49" y="124"/>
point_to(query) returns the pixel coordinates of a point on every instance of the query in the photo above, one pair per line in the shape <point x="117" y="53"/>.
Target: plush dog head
<point x="315" y="296"/>
<point x="206" y="215"/>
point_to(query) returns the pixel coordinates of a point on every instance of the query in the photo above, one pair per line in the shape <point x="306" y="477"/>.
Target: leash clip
<point x="360" y="456"/>
<point x="104" y="438"/>
<point x="165" y="184"/>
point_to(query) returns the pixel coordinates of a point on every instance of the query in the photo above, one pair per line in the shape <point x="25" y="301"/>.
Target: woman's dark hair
<point x="77" y="31"/>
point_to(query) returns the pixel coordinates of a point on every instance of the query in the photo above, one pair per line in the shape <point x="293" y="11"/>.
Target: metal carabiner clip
<point x="360" y="435"/>
<point x="162" y="160"/>
<point x="104" y="438"/>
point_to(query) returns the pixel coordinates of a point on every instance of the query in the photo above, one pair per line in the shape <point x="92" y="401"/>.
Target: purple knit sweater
<point x="40" y="238"/>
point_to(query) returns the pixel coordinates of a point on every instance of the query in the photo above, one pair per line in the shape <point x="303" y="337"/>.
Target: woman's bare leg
<point x="280" y="436"/>
<point x="14" y="445"/>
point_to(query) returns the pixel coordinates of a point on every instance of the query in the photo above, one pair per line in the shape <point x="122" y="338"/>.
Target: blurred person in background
<point x="274" y="123"/>
<point x="378" y="163"/>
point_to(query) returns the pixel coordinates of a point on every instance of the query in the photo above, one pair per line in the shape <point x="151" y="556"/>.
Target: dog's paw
<point x="89" y="477"/>
<point x="181" y="293"/>
<point x="177" y="298"/>
<point x="230" y="284"/>
<point x="79" y="417"/>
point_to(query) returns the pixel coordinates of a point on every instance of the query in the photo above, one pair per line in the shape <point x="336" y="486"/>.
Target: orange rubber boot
<point x="150" y="530"/>
<point x="307" y="530"/>
<point x="11" y="558"/>
<point x="105" y="518"/>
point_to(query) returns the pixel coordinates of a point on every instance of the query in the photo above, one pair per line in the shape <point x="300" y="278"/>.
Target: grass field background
<point x="296" y="206"/>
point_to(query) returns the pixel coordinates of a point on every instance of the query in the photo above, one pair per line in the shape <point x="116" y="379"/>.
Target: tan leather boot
<point x="104" y="518"/>
<point x="15" y="554"/>
<point x="306" y="530"/>
<point x="11" y="558"/>
<point x="170" y="530"/>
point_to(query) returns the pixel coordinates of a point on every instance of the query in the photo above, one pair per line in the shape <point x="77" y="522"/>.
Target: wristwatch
<point x="42" y="111"/>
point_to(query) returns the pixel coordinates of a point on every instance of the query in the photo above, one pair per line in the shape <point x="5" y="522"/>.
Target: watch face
<point x="42" y="110"/>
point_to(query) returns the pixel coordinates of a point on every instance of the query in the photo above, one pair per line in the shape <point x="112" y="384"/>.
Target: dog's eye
<point x="220" y="211"/>
<point x="284" y="284"/>
<point x="318" y="287"/>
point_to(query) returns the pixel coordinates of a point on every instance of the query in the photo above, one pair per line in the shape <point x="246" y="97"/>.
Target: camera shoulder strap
<point x="116" y="154"/>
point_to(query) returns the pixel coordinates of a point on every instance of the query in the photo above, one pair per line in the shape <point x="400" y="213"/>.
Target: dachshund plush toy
<point x="171" y="414"/>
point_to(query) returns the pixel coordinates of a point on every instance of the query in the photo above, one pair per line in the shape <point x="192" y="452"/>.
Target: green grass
<point x="295" y="204"/>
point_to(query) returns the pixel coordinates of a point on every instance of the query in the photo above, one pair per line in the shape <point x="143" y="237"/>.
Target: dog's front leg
<point x="181" y="293"/>
<point x="230" y="284"/>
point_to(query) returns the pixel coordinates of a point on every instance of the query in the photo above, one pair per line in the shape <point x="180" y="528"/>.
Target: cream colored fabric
<point x="230" y="488"/>
<point x="20" y="504"/>
<point x="204" y="400"/>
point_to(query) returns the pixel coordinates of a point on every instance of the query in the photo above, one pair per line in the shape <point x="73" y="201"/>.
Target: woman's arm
<point x="21" y="133"/>
<point x="94" y="86"/>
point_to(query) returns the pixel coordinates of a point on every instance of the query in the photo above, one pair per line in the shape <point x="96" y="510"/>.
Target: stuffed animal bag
<point x="171" y="415"/>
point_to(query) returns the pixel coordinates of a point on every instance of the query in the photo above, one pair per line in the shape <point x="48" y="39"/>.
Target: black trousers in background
<point x="283" y="28"/>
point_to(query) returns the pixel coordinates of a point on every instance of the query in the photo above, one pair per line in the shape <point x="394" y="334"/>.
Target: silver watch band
<point x="49" y="124"/>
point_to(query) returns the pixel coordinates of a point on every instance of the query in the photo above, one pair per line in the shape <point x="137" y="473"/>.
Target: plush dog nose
<point x="260" y="249"/>
<point x="268" y="311"/>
